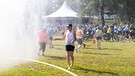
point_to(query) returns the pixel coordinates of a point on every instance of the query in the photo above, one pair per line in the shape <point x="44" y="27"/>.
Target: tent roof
<point x="64" y="11"/>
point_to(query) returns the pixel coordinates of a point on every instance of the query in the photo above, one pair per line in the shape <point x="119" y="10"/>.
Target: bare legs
<point x="69" y="55"/>
<point x="99" y="43"/>
<point x="42" y="48"/>
<point x="78" y="48"/>
<point x="50" y="43"/>
<point x="130" y="38"/>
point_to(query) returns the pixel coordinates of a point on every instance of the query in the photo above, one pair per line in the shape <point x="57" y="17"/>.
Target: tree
<point x="124" y="9"/>
<point x="102" y="11"/>
<point x="130" y="7"/>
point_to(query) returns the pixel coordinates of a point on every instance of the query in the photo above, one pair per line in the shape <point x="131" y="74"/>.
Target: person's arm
<point x="64" y="36"/>
<point x="82" y="33"/>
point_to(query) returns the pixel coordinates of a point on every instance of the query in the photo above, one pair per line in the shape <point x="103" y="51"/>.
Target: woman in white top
<point x="70" y="37"/>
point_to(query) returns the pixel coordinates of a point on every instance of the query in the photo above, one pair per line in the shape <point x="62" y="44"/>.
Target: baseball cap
<point x="69" y="25"/>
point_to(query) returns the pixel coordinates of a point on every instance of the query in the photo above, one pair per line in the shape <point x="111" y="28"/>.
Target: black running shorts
<point x="70" y="48"/>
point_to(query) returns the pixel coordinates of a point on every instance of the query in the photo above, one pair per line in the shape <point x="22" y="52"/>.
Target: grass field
<point x="114" y="59"/>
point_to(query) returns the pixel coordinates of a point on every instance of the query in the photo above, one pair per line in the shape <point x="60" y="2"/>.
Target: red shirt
<point x="42" y="36"/>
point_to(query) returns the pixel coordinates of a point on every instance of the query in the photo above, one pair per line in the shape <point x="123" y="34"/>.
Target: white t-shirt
<point x="98" y="33"/>
<point x="69" y="37"/>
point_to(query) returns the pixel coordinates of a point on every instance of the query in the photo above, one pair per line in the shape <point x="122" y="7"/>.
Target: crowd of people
<point x="72" y="33"/>
<point x="111" y="32"/>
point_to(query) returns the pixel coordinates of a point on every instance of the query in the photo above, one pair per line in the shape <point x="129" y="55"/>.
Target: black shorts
<point x="69" y="48"/>
<point x="98" y="38"/>
<point x="131" y="34"/>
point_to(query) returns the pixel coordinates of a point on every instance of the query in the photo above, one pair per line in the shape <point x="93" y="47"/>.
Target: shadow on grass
<point x="56" y="57"/>
<point x="106" y="49"/>
<point x="95" y="71"/>
<point x="111" y="49"/>
<point x="95" y="53"/>
<point x="59" y="48"/>
<point x="59" y="44"/>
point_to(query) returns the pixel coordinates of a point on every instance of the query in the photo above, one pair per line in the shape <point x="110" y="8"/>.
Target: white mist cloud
<point x="15" y="18"/>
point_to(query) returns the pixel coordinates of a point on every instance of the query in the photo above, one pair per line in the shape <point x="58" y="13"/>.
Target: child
<point x="94" y="40"/>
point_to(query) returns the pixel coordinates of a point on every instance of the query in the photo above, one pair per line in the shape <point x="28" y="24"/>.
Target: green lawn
<point x="114" y="59"/>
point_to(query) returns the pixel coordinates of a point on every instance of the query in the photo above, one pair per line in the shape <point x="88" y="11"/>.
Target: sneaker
<point x="71" y="65"/>
<point x="68" y="68"/>
<point x="79" y="51"/>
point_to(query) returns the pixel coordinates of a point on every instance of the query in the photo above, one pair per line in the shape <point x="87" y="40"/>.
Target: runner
<point x="79" y="38"/>
<point x="42" y="35"/>
<point x="98" y="35"/>
<point x="70" y="37"/>
<point x="130" y="35"/>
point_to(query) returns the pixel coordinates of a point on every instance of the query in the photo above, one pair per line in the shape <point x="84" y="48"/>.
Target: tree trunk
<point x="102" y="12"/>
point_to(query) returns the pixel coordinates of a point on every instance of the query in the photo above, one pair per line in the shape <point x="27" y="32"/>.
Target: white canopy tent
<point x="64" y="15"/>
<point x="64" y="12"/>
